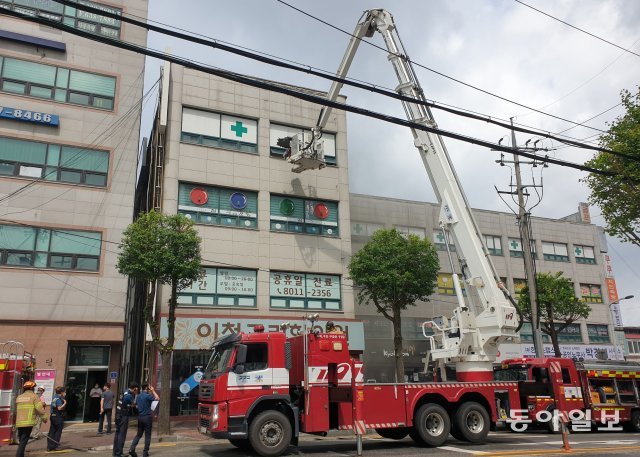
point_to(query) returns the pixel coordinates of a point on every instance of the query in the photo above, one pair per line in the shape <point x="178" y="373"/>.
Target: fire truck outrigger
<point x="261" y="390"/>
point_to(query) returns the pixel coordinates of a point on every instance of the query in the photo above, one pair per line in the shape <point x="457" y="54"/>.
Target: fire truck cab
<point x="596" y="392"/>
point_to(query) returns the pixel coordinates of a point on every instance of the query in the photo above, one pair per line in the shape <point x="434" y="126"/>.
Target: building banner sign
<point x="29" y="116"/>
<point x="612" y="290"/>
<point x="585" y="351"/>
<point x="608" y="269"/>
<point x="200" y="333"/>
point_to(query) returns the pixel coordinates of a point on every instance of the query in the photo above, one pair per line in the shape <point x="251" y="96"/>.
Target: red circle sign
<point x="321" y="211"/>
<point x="199" y="196"/>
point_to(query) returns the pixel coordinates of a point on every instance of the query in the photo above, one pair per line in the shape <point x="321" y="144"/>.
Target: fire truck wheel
<point x="393" y="433"/>
<point x="471" y="422"/>
<point x="241" y="444"/>
<point x="432" y="425"/>
<point x="270" y="433"/>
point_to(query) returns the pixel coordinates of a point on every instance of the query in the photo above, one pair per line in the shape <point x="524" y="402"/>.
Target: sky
<point x="499" y="46"/>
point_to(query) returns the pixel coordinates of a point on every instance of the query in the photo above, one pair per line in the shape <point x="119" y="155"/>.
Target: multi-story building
<point x="275" y="244"/>
<point x="69" y="123"/>
<point x="572" y="246"/>
<point x="632" y="342"/>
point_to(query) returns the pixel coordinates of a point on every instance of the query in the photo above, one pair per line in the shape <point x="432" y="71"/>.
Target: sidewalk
<point x="84" y="436"/>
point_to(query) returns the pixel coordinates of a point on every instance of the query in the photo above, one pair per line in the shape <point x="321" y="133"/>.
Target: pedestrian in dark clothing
<point x="106" y="406"/>
<point x="28" y="409"/>
<point x="94" y="406"/>
<point x="124" y="410"/>
<point x="58" y="404"/>
<point x="145" y="419"/>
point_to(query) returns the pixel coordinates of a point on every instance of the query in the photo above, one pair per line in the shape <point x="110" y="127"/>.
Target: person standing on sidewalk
<point x="106" y="405"/>
<point x="123" y="412"/>
<point x="95" y="395"/>
<point x="35" y="433"/>
<point x="145" y="419"/>
<point x="28" y="409"/>
<point x="58" y="404"/>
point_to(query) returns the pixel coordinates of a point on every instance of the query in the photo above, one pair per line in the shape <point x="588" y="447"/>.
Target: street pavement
<point x="82" y="440"/>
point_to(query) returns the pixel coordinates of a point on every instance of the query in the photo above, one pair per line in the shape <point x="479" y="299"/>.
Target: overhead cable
<point x="274" y="87"/>
<point x="365" y="86"/>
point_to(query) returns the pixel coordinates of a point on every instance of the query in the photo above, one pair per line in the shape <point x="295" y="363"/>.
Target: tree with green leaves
<point x="159" y="249"/>
<point x="393" y="271"/>
<point x="558" y="305"/>
<point x="618" y="196"/>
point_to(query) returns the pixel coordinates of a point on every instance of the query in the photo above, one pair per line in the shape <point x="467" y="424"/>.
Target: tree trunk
<point x="164" y="422"/>
<point x="397" y="345"/>
<point x="554" y="340"/>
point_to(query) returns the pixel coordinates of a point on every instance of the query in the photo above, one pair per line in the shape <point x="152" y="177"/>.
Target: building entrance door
<point x="87" y="366"/>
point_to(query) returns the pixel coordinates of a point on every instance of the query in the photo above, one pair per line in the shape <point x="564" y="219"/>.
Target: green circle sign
<point x="287" y="207"/>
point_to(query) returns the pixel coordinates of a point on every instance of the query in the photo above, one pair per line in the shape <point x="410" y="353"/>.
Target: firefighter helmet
<point x="29" y="385"/>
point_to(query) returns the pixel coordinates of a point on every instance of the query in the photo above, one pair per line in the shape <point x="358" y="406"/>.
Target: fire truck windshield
<point x="219" y="360"/>
<point x="512" y="373"/>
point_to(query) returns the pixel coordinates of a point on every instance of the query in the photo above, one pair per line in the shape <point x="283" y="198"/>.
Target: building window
<point x="417" y="231"/>
<point x="282" y="131"/>
<point x="53" y="162"/>
<point x="515" y="248"/>
<point x="556" y="252"/>
<point x="62" y="249"/>
<point x="584" y="254"/>
<point x="526" y="334"/>
<point x="591" y="293"/>
<point x="438" y="241"/>
<point x="364" y="228"/>
<point x="73" y="17"/>
<point x="598" y="333"/>
<point x="445" y="285"/>
<point x="304" y="291"/>
<point x="221" y="287"/>
<point x="518" y="286"/>
<point x="633" y="346"/>
<point x="300" y="215"/>
<point x="218" y="205"/>
<point x="217" y="130"/>
<point x="57" y="83"/>
<point x="494" y="244"/>
<point x="571" y="334"/>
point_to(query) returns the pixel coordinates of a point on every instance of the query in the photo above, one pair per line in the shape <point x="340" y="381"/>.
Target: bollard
<point x="357" y="394"/>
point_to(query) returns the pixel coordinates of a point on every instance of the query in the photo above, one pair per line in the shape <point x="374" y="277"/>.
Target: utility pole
<point x="529" y="270"/>
<point x="524" y="220"/>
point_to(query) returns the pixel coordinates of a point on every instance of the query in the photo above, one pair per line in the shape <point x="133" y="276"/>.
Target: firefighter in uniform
<point x="28" y="409"/>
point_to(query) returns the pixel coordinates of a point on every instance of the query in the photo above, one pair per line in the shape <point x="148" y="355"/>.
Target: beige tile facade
<point x="257" y="249"/>
<point x="369" y="213"/>
<point x="49" y="309"/>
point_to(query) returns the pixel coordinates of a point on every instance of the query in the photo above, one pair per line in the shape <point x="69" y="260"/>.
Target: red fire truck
<point x="16" y="367"/>
<point x="259" y="390"/>
<point x="604" y="394"/>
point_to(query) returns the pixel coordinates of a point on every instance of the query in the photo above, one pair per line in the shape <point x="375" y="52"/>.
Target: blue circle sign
<point x="238" y="200"/>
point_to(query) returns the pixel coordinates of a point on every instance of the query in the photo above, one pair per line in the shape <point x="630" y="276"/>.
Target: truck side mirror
<point x="241" y="358"/>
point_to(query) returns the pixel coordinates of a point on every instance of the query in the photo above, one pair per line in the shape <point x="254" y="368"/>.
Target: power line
<point x="323" y="74"/>
<point x="578" y="28"/>
<point x="285" y="89"/>
<point x="417" y="64"/>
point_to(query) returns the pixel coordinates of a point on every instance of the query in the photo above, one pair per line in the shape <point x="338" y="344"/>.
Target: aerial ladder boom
<point x="472" y="335"/>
